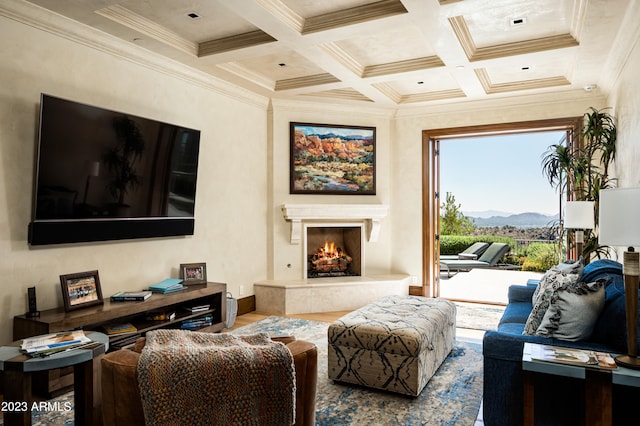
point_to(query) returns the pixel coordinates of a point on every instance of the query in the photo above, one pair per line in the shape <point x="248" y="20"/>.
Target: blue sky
<point x="501" y="173"/>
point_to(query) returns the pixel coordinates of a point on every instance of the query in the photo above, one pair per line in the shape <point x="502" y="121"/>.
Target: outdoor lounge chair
<point x="489" y="259"/>
<point x="472" y="252"/>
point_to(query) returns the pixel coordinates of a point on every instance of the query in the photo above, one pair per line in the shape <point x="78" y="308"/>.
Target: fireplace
<point x="333" y="250"/>
<point x="348" y="226"/>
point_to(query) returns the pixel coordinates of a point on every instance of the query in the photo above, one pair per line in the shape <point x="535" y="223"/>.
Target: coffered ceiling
<point x="397" y="53"/>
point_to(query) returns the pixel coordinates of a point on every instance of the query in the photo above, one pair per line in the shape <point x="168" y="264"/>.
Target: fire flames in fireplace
<point x="329" y="261"/>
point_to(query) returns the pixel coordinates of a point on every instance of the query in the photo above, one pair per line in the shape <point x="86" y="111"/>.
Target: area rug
<point x="54" y="412"/>
<point x="477" y="316"/>
<point x="452" y="396"/>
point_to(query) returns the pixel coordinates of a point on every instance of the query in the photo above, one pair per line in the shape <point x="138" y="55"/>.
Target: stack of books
<point x="134" y="296"/>
<point x="167" y="286"/>
<point x="49" y="344"/>
<point x="198" y="308"/>
<point x="160" y="316"/>
<point x="195" y="323"/>
<point x="118" y="329"/>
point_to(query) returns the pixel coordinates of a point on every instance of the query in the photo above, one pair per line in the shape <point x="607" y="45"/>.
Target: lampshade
<point x="579" y="215"/>
<point x="619" y="220"/>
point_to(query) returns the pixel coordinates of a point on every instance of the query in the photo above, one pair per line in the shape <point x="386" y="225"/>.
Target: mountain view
<point x="521" y="220"/>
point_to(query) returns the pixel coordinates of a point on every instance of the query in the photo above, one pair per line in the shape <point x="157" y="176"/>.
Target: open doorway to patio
<point x="476" y="288"/>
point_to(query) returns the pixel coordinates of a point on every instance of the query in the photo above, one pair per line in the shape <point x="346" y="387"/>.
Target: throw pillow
<point x="555" y="277"/>
<point x="573" y="311"/>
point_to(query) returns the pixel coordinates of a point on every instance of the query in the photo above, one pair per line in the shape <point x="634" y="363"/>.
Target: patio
<point x="489" y="286"/>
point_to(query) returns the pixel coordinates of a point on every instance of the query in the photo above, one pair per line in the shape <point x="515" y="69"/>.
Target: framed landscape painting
<point x="332" y="159"/>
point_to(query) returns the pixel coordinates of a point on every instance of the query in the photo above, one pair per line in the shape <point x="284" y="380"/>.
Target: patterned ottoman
<point x="395" y="344"/>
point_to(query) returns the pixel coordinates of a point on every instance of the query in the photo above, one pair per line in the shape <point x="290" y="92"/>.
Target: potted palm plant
<point x="121" y="162"/>
<point x="579" y="168"/>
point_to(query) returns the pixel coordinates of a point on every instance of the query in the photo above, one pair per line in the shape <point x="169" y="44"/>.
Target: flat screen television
<point x="105" y="175"/>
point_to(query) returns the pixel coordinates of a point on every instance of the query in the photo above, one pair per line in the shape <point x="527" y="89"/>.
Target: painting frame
<point x="193" y="273"/>
<point x="81" y="290"/>
<point x="332" y="159"/>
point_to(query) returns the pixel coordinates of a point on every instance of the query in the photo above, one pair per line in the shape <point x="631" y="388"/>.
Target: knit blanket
<point x="191" y="378"/>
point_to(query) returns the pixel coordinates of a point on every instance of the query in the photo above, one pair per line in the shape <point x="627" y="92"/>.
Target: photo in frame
<point x="332" y="159"/>
<point x="193" y="273"/>
<point x="81" y="290"/>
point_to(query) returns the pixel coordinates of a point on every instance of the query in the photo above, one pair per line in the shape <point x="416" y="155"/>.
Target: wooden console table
<point x="94" y="318"/>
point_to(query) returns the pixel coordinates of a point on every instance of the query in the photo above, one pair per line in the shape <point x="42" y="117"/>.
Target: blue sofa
<point x="559" y="400"/>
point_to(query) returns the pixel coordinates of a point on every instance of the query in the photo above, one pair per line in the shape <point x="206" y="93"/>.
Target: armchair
<point x="121" y="402"/>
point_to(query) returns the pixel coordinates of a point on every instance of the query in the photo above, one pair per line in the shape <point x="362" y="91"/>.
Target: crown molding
<point x="303" y="106"/>
<point x="284" y="13"/>
<point x="306" y="81"/>
<point x="432" y="96"/>
<point x="509" y="102"/>
<point x="473" y="53"/>
<point x="340" y="55"/>
<point x="399" y="99"/>
<point x="346" y="93"/>
<point x="39" y="18"/>
<point x="234" y="42"/>
<point x="353" y="15"/>
<point x="132" y="20"/>
<point x="539" y="83"/>
<point x="399" y="67"/>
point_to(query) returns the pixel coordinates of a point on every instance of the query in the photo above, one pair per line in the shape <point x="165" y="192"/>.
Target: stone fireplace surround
<point x="307" y="295"/>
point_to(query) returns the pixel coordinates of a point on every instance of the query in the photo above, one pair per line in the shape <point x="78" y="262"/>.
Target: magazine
<point x="572" y="356"/>
<point x="53" y="343"/>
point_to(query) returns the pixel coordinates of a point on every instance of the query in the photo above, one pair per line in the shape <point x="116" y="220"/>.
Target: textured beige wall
<point x="231" y="193"/>
<point x="281" y="251"/>
<point x="625" y="101"/>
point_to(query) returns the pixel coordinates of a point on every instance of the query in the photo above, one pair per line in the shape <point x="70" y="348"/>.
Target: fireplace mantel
<point x="370" y="214"/>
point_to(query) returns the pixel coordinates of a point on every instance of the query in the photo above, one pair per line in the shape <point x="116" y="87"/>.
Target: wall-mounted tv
<point x="105" y="175"/>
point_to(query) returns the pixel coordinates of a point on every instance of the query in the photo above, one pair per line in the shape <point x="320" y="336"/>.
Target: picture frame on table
<point x="193" y="273"/>
<point x="81" y="290"/>
<point x="332" y="159"/>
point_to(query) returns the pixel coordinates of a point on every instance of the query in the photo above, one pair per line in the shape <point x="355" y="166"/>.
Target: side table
<point x="17" y="370"/>
<point x="598" y="386"/>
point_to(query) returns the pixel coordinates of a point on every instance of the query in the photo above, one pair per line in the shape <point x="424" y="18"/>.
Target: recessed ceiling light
<point x="590" y="87"/>
<point x="518" y="21"/>
<point x="193" y="15"/>
<point x="525" y="68"/>
<point x="421" y="82"/>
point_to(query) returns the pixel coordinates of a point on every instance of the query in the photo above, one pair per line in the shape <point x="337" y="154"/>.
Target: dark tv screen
<point x="106" y="175"/>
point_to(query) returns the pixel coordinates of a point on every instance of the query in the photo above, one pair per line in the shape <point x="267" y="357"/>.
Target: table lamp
<point x="578" y="215"/>
<point x="619" y="225"/>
